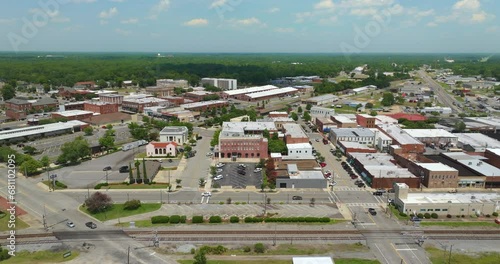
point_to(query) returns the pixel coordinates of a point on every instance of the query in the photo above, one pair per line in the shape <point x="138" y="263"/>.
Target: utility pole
<point x="449" y="259"/>
<point x="44" y="218"/>
<point x="156" y="241"/>
<point x="128" y="255"/>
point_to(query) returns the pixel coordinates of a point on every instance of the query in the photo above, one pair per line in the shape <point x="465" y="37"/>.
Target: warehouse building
<point x="326" y="99"/>
<point x="301" y="179"/>
<point x="239" y="94"/>
<point x="265" y="95"/>
<point x="405" y="143"/>
<point x="475" y="142"/>
<point x="34" y="132"/>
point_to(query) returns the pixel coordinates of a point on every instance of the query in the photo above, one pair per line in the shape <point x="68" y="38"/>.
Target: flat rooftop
<point x="36" y="130"/>
<point x="294" y="130"/>
<point x="233" y="129"/>
<point x="477" y="140"/>
<point x="144" y="100"/>
<point x="399" y="134"/>
<point x="383" y="119"/>
<point x="250" y="90"/>
<point x="429" y="133"/>
<point x="309" y="175"/>
<point x="355" y="145"/>
<point x="374" y="158"/>
<point x="485" y="120"/>
<point x="438" y="166"/>
<point x="384" y="171"/>
<point x="379" y="134"/>
<point x="343" y="119"/>
<point x="174" y="129"/>
<point x="200" y="104"/>
<point x="71" y="113"/>
<point x="272" y="92"/>
<point x="320" y="98"/>
<point x="457" y="198"/>
<point x="299" y="146"/>
<point x="353" y="132"/>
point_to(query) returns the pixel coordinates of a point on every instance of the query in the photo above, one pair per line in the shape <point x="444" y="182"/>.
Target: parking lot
<point x="232" y="178"/>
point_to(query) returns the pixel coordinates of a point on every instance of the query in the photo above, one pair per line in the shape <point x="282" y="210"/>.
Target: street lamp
<point x="53" y="178"/>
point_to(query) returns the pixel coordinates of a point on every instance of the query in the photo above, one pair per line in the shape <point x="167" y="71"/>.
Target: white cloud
<point x="425" y="13"/>
<point x="467" y="5"/>
<point x="465" y="11"/>
<point x="328" y="21"/>
<point x="160" y="7"/>
<point x="432" y="24"/>
<point x="73" y="28"/>
<point x="396" y="9"/>
<point x="117" y="1"/>
<point x="284" y="30"/>
<point x="246" y="22"/>
<point x="218" y="3"/>
<point x="109" y="13"/>
<point x="300" y="17"/>
<point x="122" y="32"/>
<point x="38" y="10"/>
<point x="197" y="22"/>
<point x="324" y="4"/>
<point x="364" y="3"/>
<point x="130" y="21"/>
<point x="273" y="10"/>
<point x="7" y="21"/>
<point x="364" y="12"/>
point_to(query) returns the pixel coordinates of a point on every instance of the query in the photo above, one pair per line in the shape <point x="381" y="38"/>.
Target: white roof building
<point x="250" y="90"/>
<point x="476" y="142"/>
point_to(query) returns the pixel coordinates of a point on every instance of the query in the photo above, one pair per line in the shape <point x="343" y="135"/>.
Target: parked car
<point x="107" y="168"/>
<point x="219" y="170"/>
<point x="218" y="177"/>
<point x="317" y="140"/>
<point x="327" y="175"/>
<point x="123" y="169"/>
<point x="257" y="170"/>
<point x="296" y="197"/>
<point x="372" y="211"/>
<point x="209" y="154"/>
<point x="170" y="160"/>
<point x="322" y="164"/>
<point x="91" y="225"/>
<point x="361" y="185"/>
<point x="242" y="166"/>
<point x="242" y="172"/>
<point x="332" y="184"/>
<point x="378" y="193"/>
<point x="206" y="194"/>
<point x="70" y="224"/>
<point x="220" y="165"/>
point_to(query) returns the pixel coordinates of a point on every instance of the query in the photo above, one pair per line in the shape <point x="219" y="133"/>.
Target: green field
<point x="40" y="257"/>
<point x="4" y="221"/>
<point x="460" y="224"/>
<point x="438" y="256"/>
<point x="117" y="211"/>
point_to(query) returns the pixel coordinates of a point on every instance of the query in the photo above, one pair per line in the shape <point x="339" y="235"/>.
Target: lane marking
<point x="395" y="250"/>
<point x="386" y="261"/>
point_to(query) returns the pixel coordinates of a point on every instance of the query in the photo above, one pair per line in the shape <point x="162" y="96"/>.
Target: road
<point x="443" y="96"/>
<point x="198" y="166"/>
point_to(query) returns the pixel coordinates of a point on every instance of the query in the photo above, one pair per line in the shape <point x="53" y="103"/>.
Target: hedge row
<point x="298" y="219"/>
<point x="163" y="219"/>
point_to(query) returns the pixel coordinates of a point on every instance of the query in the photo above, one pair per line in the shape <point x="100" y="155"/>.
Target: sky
<point x="295" y="26"/>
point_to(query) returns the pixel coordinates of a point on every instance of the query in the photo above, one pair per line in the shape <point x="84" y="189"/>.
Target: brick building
<point x="111" y="98"/>
<point x="406" y="143"/>
<point x="19" y="108"/>
<point x="344" y="122"/>
<point x="278" y="114"/>
<point x="73" y="115"/>
<point x="197" y="96"/>
<point x="101" y="107"/>
<point x="365" y="120"/>
<point x="294" y="134"/>
<point x="204" y="106"/>
<point x="137" y="105"/>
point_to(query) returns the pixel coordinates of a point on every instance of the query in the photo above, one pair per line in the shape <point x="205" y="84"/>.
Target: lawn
<point x="117" y="211"/>
<point x="136" y="186"/>
<point x="438" y="256"/>
<point x="396" y="213"/>
<point x="40" y="257"/>
<point x="4" y="220"/>
<point x="460" y="224"/>
<point x="59" y="185"/>
<point x="345" y="110"/>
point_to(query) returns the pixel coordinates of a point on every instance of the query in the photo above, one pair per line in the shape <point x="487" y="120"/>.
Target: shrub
<point x="463" y="216"/>
<point x="175" y="219"/>
<point x="221" y="202"/>
<point x="198" y="219"/>
<point x="193" y="250"/>
<point x="159" y="219"/>
<point x="259" y="248"/>
<point x="253" y="219"/>
<point x="247" y="249"/>
<point x="448" y="216"/>
<point x="100" y="185"/>
<point x="61" y="185"/>
<point x="234" y="219"/>
<point x="183" y="219"/>
<point x="427" y="215"/>
<point x="403" y="214"/>
<point x="495" y="214"/>
<point x="420" y="215"/>
<point x="132" y="204"/>
<point x="217" y="250"/>
<point x="488" y="215"/>
<point x="215" y="219"/>
<point x="458" y="216"/>
<point x="434" y="215"/>
<point x="228" y="201"/>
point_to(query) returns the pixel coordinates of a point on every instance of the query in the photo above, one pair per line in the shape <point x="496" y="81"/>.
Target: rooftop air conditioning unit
<point x="473" y="197"/>
<point x="449" y="201"/>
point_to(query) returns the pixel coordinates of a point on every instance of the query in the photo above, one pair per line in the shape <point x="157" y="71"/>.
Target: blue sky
<point x="354" y="26"/>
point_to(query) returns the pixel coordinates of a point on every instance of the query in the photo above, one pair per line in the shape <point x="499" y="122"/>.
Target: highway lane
<point x="439" y="91"/>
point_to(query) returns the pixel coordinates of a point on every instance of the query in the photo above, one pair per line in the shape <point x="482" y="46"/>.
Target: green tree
<point x="373" y="113"/>
<point x="266" y="134"/>
<point x="299" y="110"/>
<point x="74" y="151"/>
<point x="277" y="146"/>
<point x="295" y="117"/>
<point x="369" y="105"/>
<point x="130" y="175"/>
<point x="308" y="107"/>
<point x="30" y="166"/>
<point x="460" y="126"/>
<point x="107" y="142"/>
<point x="215" y="138"/>
<point x="8" y="92"/>
<point x="200" y="258"/>
<point x="138" y="172"/>
<point x="144" y="174"/>
<point x="88" y="131"/>
<point x="307" y="116"/>
<point x="98" y="202"/>
<point x="45" y="163"/>
<point x="387" y="99"/>
<point x="29" y="150"/>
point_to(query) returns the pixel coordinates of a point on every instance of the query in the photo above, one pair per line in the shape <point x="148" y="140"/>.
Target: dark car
<point x="91" y="225"/>
<point x="296" y="197"/>
<point x="242" y="172"/>
<point x="123" y="169"/>
<point x="378" y="193"/>
<point x="170" y="160"/>
<point x="107" y="168"/>
<point x="372" y="211"/>
<point x="361" y="185"/>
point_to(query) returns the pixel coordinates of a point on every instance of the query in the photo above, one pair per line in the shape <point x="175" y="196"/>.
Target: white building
<point x="225" y="84"/>
<point x="177" y="134"/>
<point x="381" y="140"/>
<point x="161" y="149"/>
<point x="317" y="111"/>
<point x="299" y="150"/>
<point x="439" y="109"/>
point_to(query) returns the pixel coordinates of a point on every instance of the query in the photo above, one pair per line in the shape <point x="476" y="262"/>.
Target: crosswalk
<point x="346" y="188"/>
<point x="363" y="204"/>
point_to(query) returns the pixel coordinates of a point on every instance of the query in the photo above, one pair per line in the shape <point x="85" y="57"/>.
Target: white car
<point x="209" y="154"/>
<point x="333" y="184"/>
<point x="206" y="194"/>
<point x="220" y="165"/>
<point x="257" y="170"/>
<point x="220" y="170"/>
<point x="218" y="177"/>
<point x="70" y="224"/>
<point x="242" y="165"/>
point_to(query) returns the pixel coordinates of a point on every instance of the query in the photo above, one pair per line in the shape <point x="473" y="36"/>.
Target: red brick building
<point x="204" y="106"/>
<point x="138" y="105"/>
<point x="278" y="114"/>
<point x="73" y="115"/>
<point x="19" y="108"/>
<point x="294" y="134"/>
<point x="111" y="98"/>
<point x="74" y="106"/>
<point x="365" y="120"/>
<point x="243" y="147"/>
<point x="410" y="117"/>
<point x="101" y="107"/>
<point x="197" y="96"/>
<point x="87" y="85"/>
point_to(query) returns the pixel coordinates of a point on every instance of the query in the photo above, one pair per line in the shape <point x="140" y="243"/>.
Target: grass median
<point x="460" y="224"/>
<point x="39" y="257"/>
<point x="4" y="223"/>
<point x="135" y="186"/>
<point x="439" y="256"/>
<point x="118" y="211"/>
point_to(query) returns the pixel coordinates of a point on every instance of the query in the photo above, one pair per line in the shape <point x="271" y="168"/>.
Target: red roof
<point x="410" y="117"/>
<point x="85" y="83"/>
<point x="163" y="144"/>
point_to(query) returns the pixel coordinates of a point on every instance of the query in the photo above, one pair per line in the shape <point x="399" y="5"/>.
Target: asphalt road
<point x="198" y="166"/>
<point x="439" y="91"/>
